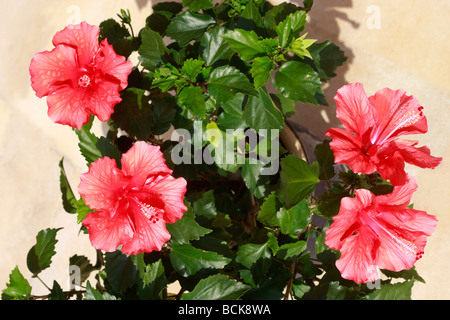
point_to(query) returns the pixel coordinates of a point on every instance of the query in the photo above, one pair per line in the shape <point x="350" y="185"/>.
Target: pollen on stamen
<point x="409" y="118"/>
<point x="149" y="212"/>
<point x="84" y="81"/>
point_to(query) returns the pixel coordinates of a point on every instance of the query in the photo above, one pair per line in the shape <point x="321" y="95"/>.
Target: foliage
<point x="245" y="235"/>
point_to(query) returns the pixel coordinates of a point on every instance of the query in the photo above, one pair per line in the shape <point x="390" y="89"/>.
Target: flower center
<point x="149" y="212"/>
<point x="84" y="81"/>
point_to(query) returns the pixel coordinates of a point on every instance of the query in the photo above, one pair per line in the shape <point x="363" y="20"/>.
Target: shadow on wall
<point x="323" y="25"/>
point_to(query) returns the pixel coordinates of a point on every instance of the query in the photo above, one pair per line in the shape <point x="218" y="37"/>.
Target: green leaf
<point x="152" y="49"/>
<point x="289" y="29"/>
<point x="325" y="157"/>
<point x="120" y="270"/>
<point x="216" y="287"/>
<point x="117" y="35"/>
<point x="134" y="114"/>
<point x="410" y="274"/>
<point x="92" y="294"/>
<point x="56" y="293"/>
<point x="68" y="197"/>
<point x="163" y="112"/>
<point x="299" y="82"/>
<point x="300" y="46"/>
<point x="260" y="112"/>
<point x="186" y="228"/>
<point x="162" y="14"/>
<point x="197" y="5"/>
<point x="245" y="43"/>
<point x="255" y="182"/>
<point x="291" y="250"/>
<point x="255" y="258"/>
<point x="192" y="99"/>
<point x="192" y="67"/>
<point x="153" y="283"/>
<point x="188" y="26"/>
<point x="87" y="144"/>
<point x="250" y="19"/>
<point x="225" y="82"/>
<point x="396" y="291"/>
<point x="188" y="260"/>
<point x="18" y="287"/>
<point x="82" y="210"/>
<point x="294" y="220"/>
<point x="84" y="264"/>
<point x="214" y="49"/>
<point x="268" y="211"/>
<point x="40" y="255"/>
<point x="298" y="180"/>
<point x="261" y="69"/>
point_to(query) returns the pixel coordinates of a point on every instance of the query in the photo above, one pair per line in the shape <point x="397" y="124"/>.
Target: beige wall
<point x="397" y="44"/>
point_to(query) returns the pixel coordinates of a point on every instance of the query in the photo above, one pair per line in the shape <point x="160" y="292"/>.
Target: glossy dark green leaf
<point x="291" y="250"/>
<point x="215" y="50"/>
<point x="152" y="49"/>
<point x="225" y="82"/>
<point x="188" y="260"/>
<point x="299" y="82"/>
<point x="256" y="260"/>
<point x="294" y="220"/>
<point x="216" y="287"/>
<point x="197" y="5"/>
<point x="40" y="255"/>
<point x="245" y="43"/>
<point x="298" y="180"/>
<point x="325" y="157"/>
<point x="251" y="173"/>
<point x="188" y="26"/>
<point x="117" y="35"/>
<point x="192" y="99"/>
<point x="261" y="69"/>
<point x="186" y="229"/>
<point x="153" y="283"/>
<point x="68" y="197"/>
<point x="192" y="68"/>
<point x="93" y="294"/>
<point x="134" y="114"/>
<point x="84" y="264"/>
<point x="288" y="30"/>
<point x="396" y="291"/>
<point x="18" y="287"/>
<point x="268" y="210"/>
<point x="120" y="270"/>
<point x="261" y="113"/>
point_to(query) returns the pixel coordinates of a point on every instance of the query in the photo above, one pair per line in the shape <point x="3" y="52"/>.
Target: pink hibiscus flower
<point x="133" y="204"/>
<point x="373" y="125"/>
<point x="374" y="232"/>
<point x="79" y="76"/>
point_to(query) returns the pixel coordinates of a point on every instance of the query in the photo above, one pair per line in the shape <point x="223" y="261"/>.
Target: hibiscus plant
<point x="191" y="194"/>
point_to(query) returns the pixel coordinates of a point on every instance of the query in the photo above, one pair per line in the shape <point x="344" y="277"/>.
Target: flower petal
<point x="102" y="98"/>
<point x="396" y="114"/>
<point x="107" y="232"/>
<point x="83" y="37"/>
<point x="102" y="186"/>
<point x="401" y="195"/>
<point x="357" y="257"/>
<point x="144" y="160"/>
<point x="49" y="68"/>
<point x="65" y="106"/>
<point x="170" y="192"/>
<point x="403" y="237"/>
<point x="148" y="235"/>
<point x="354" y="110"/>
<point x="348" y="150"/>
<point x="420" y="157"/>
<point x="113" y="65"/>
<point x="346" y="222"/>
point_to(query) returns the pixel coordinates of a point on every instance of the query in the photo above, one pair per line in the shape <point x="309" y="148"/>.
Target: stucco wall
<point x="397" y="44"/>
